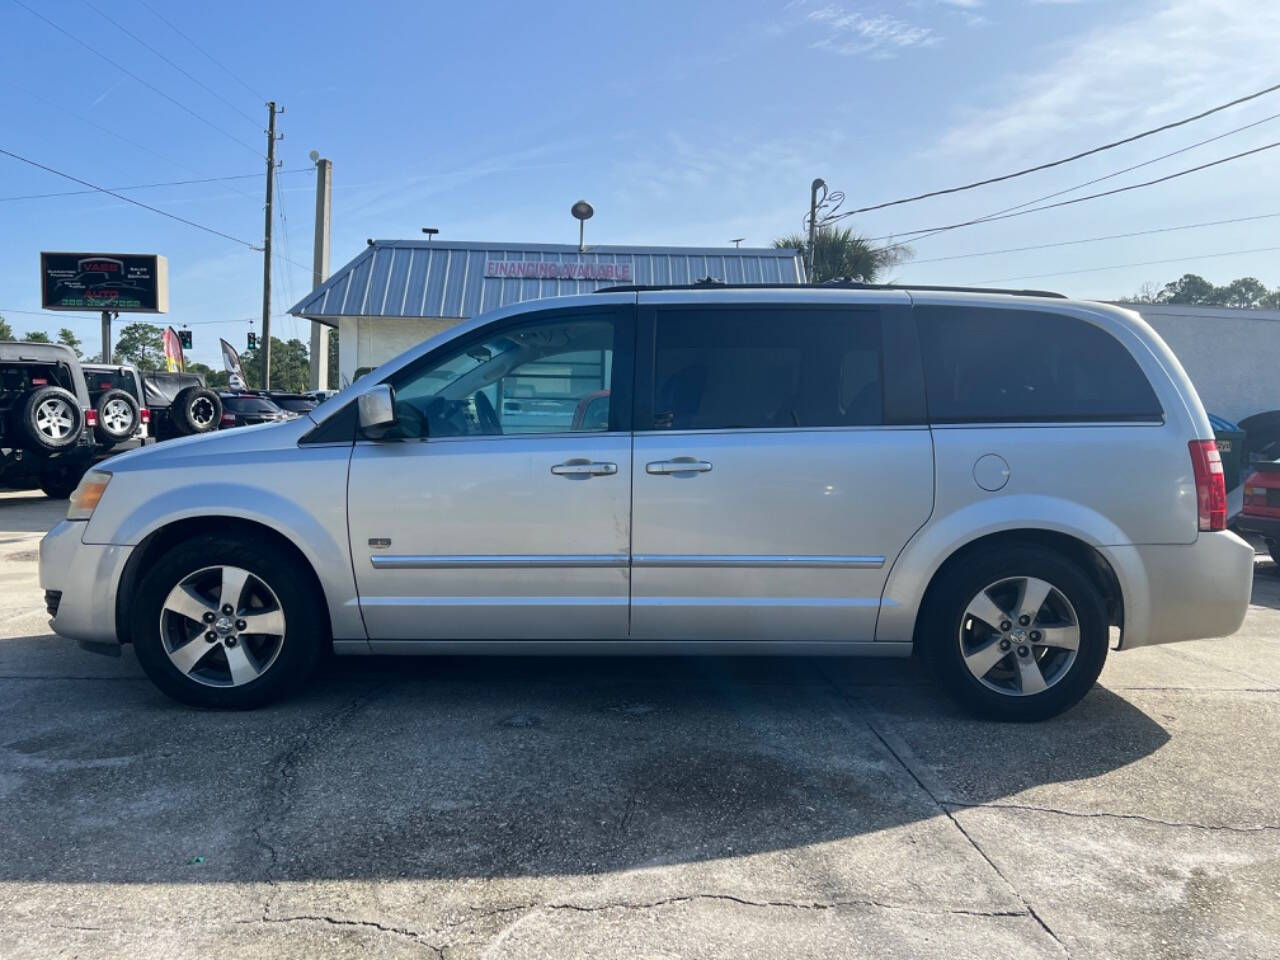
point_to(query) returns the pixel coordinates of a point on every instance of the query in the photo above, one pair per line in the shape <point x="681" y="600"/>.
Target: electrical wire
<point x="1091" y="196"/>
<point x="136" y="203"/>
<point x="1122" y="266"/>
<point x="200" y="83"/>
<point x="1057" y="163"/>
<point x="208" y="56"/>
<point x="1089" y="183"/>
<point x="1109" y="236"/>
<point x="134" y="76"/>
<point x="146" y="186"/>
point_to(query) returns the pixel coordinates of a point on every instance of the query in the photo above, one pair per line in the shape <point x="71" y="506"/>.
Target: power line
<point x="134" y="76"/>
<point x="175" y="66"/>
<point x="1091" y="196"/>
<point x="1058" y="163"/>
<point x="49" y="313"/>
<point x="145" y="186"/>
<point x="1109" y="236"/>
<point x="208" y="56"/>
<point x="1089" y="183"/>
<point x="1121" y="266"/>
<point x="136" y="203"/>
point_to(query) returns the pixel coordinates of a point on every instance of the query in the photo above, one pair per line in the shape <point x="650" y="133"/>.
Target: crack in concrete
<point x="1107" y="815"/>
<point x="785" y="904"/>
<point x="405" y="932"/>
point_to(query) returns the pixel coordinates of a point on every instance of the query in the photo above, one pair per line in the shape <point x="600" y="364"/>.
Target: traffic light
<point x="253" y="340"/>
<point x="184" y="338"/>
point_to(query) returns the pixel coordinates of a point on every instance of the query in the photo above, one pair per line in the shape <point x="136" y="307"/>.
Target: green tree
<point x="333" y="360"/>
<point x="840" y="254"/>
<point x="6" y="331"/>
<point x="290" y="367"/>
<point x="35" y="336"/>
<point x="1189" y="288"/>
<point x="141" y="344"/>
<point x="1245" y="292"/>
<point x="217" y="379"/>
<point x="67" y="337"/>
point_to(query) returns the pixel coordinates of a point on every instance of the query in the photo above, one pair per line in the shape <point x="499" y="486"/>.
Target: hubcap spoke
<point x="1030" y="679"/>
<point x="983" y="608"/>
<point x="188" y="656"/>
<point x="241" y="662"/>
<point x="185" y="602"/>
<point x="233" y="583"/>
<point x="269" y="623"/>
<point x="982" y="660"/>
<point x="1068" y="638"/>
<point x="1031" y="597"/>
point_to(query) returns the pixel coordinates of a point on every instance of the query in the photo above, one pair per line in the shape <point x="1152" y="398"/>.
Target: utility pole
<point x="818" y="184"/>
<point x="265" y="349"/>
<point x="320" y="271"/>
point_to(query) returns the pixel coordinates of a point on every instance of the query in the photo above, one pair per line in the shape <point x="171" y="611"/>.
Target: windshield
<point x="249" y="405"/>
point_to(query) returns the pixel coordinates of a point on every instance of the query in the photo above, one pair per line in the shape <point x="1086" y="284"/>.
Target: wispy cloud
<point x="852" y="33"/>
<point x="1118" y="78"/>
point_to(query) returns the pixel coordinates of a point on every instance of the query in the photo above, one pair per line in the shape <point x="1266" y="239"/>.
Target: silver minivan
<point x="1006" y="484"/>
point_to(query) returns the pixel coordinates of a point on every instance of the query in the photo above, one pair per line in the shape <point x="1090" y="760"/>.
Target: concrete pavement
<point x="468" y="807"/>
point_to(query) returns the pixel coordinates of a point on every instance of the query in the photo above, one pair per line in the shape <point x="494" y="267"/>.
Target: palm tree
<point x="843" y="255"/>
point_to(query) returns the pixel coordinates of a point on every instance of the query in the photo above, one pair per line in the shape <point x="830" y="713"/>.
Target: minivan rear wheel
<point x="1016" y="632"/>
<point x="222" y="623"/>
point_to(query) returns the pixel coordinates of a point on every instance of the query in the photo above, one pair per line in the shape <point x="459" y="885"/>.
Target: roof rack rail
<point x="711" y="283"/>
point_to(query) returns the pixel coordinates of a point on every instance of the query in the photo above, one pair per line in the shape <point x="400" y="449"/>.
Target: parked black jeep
<point x="46" y="420"/>
<point x="181" y="405"/>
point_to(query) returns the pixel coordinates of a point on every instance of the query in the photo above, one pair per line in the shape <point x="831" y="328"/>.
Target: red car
<point x="1261" y="513"/>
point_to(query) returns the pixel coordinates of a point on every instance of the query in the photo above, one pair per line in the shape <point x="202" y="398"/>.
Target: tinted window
<point x="984" y="364"/>
<point x="752" y="368"/>
<point x="540" y="377"/>
<point x="249" y="405"/>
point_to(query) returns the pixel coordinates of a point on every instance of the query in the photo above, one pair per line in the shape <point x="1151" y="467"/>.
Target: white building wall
<point x="372" y="341"/>
<point x="1231" y="355"/>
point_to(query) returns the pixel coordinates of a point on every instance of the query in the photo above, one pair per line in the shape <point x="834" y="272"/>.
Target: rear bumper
<point x="1265" y="527"/>
<point x="85" y="577"/>
<point x="1184" y="591"/>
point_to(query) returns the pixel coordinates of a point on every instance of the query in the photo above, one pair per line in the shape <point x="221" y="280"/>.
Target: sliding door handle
<point x="581" y="469"/>
<point x="678" y="465"/>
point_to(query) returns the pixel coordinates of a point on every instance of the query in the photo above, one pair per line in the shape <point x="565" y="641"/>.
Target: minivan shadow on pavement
<point x="458" y="768"/>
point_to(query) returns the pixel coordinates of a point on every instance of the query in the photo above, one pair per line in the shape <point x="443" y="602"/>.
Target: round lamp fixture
<point x="582" y="210"/>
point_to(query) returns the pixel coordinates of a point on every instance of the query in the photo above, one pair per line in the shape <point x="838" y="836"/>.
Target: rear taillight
<point x="145" y="413"/>
<point x="228" y="420"/>
<point x="1211" y="485"/>
<point x="91" y="418"/>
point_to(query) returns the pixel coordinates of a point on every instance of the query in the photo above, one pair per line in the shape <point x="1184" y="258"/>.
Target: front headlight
<point x="92" y="486"/>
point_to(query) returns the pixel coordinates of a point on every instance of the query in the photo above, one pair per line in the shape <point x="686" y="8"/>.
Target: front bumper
<point x="86" y="577"/>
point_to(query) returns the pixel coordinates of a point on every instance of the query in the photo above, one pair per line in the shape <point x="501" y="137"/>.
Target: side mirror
<point x="377" y="411"/>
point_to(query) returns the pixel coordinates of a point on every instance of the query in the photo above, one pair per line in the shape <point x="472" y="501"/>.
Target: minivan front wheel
<point x="1016" y="633"/>
<point x="221" y="623"/>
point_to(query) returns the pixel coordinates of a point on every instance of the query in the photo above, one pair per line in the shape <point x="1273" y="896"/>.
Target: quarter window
<point x="764" y="368"/>
<point x="993" y="365"/>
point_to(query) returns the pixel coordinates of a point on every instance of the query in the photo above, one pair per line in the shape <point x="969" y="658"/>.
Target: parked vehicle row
<point x="873" y="472"/>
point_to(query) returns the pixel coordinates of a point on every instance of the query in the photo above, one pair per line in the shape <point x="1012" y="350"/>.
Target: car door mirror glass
<point x="377" y="410"/>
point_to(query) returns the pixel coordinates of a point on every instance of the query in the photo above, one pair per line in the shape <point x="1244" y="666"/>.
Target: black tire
<point x="50" y="418"/>
<point x="299" y="600"/>
<point x="59" y="481"/>
<point x="946" y="615"/>
<point x="118" y="417"/>
<point x="1273" y="548"/>
<point x="196" y="410"/>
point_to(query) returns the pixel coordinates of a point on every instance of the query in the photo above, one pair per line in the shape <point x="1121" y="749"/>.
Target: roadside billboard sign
<point x="122" y="282"/>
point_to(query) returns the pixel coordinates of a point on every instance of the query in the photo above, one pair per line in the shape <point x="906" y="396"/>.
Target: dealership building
<point x="396" y="293"/>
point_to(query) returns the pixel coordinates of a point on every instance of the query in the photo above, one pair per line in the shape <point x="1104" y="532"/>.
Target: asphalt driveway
<point x="469" y="807"/>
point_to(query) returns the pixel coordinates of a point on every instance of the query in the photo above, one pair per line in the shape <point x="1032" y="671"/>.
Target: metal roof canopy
<point x="453" y="279"/>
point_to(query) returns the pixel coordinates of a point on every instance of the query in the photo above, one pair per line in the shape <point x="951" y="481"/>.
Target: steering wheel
<point x="488" y="417"/>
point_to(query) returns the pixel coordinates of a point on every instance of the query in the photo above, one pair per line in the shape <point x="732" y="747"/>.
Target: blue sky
<point x="682" y="122"/>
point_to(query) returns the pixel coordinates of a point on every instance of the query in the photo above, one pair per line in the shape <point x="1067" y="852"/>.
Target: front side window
<point x="545" y="376"/>
<point x="993" y="365"/>
<point x="753" y="368"/>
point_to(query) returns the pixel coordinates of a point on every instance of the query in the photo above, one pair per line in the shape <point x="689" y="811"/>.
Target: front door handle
<point x="581" y="469"/>
<point x="678" y="465"/>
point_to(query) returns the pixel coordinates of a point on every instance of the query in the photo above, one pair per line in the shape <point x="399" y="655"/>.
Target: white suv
<point x="991" y="480"/>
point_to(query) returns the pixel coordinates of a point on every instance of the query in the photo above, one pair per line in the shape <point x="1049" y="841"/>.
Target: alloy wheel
<point x="116" y="416"/>
<point x="53" y="418"/>
<point x="202" y="411"/>
<point x="1019" y="636"/>
<point x="222" y="626"/>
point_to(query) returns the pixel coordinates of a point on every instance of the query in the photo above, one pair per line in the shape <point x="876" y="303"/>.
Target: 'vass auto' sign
<point x="128" y="282"/>
<point x="551" y="270"/>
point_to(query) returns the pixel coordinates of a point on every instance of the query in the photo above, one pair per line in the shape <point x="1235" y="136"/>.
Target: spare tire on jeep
<point x="50" y="417"/>
<point x="196" y="410"/>
<point x="118" y="417"/>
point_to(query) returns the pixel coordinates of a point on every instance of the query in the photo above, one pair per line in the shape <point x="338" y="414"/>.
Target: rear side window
<point x="754" y="368"/>
<point x="993" y="365"/>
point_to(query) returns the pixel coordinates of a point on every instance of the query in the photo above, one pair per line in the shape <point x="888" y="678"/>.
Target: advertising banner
<point x="231" y="363"/>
